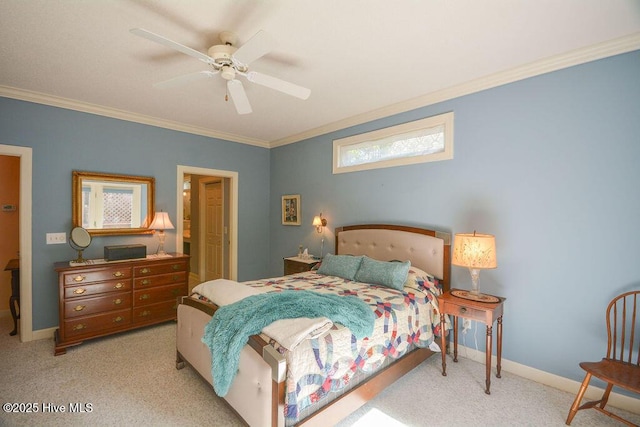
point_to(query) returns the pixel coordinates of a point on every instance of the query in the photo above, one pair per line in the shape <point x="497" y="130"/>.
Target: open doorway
<point x="207" y="218"/>
<point x="25" y="328"/>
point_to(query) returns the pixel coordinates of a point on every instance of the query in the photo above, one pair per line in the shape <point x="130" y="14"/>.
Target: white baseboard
<point x="565" y="384"/>
<point x="44" y="334"/>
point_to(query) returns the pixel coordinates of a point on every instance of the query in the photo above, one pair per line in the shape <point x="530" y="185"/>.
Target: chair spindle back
<point x="623" y="328"/>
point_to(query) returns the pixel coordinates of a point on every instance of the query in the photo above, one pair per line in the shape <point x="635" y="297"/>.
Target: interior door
<point x="214" y="231"/>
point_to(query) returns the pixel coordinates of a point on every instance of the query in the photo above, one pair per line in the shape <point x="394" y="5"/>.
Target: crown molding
<point x="554" y="63"/>
<point x="85" y="107"/>
<point x="576" y="57"/>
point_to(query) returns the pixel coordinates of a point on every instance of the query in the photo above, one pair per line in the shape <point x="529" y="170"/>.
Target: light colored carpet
<point x="131" y="379"/>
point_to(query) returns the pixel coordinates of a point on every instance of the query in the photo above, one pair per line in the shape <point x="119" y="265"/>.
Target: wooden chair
<point x="621" y="366"/>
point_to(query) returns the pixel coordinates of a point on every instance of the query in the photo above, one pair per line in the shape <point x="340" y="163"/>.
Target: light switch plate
<point x="56" y="238"/>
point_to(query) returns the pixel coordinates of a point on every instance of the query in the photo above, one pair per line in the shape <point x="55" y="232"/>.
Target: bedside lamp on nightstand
<point x="474" y="251"/>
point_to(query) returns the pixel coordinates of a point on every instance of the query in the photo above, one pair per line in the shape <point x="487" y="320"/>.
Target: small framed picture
<point x="291" y="209"/>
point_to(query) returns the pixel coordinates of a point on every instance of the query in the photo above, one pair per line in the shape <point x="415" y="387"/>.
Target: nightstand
<point x="486" y="312"/>
<point x="293" y="265"/>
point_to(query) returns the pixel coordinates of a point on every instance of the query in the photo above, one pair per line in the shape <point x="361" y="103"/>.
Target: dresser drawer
<point x="154" y="312"/>
<point x="96" y="288"/>
<point x="101" y="275"/>
<point x="159" y="294"/>
<point x="159" y="280"/>
<point x="93" y="325"/>
<point x="150" y="270"/>
<point x="101" y="304"/>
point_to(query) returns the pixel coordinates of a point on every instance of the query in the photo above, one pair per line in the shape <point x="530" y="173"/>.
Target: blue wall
<point x="549" y="165"/>
<point x="64" y="141"/>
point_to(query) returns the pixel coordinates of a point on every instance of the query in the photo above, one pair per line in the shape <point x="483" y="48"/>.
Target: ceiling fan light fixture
<point x="228" y="73"/>
<point x="222" y="53"/>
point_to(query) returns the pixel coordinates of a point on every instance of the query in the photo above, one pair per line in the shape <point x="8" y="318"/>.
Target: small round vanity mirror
<point x="79" y="239"/>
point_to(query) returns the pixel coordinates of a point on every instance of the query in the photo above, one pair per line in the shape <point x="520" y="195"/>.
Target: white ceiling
<point x="362" y="59"/>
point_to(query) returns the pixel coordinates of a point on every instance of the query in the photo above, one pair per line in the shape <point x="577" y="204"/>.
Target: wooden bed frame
<point x="258" y="391"/>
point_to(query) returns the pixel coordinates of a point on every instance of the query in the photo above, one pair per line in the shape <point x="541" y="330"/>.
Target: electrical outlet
<point x="56" y="238"/>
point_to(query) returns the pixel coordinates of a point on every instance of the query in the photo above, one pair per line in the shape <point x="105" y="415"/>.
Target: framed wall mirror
<point x="110" y="204"/>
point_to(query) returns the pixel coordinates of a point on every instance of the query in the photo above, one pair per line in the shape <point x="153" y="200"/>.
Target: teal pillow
<point x="390" y="274"/>
<point x="345" y="266"/>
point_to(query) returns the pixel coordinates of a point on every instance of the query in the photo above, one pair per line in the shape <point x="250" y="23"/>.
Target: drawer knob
<point x="175" y="292"/>
<point x="146" y="282"/>
<point x="144" y="296"/>
<point x="145" y="313"/>
<point x="118" y="319"/>
<point x="79" y="307"/>
<point x="79" y="327"/>
<point x="79" y="278"/>
<point x="118" y="274"/>
<point x="145" y="270"/>
<point x="117" y="301"/>
<point x="463" y="309"/>
<point x="79" y="291"/>
<point x="176" y="266"/>
<point x="119" y="285"/>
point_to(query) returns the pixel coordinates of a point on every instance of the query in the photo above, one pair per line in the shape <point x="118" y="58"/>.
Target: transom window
<point x="420" y="141"/>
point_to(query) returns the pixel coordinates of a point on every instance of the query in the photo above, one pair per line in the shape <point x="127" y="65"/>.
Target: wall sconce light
<point x="319" y="222"/>
<point x="160" y="223"/>
<point x="475" y="251"/>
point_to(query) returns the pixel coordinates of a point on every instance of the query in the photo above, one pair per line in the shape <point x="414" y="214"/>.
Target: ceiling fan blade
<point x="186" y="78"/>
<point x="239" y="96"/>
<point x="258" y="45"/>
<point x="279" y="85"/>
<point x="171" y="44"/>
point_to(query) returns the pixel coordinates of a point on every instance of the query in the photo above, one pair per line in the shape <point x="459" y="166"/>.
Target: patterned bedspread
<point x="329" y="364"/>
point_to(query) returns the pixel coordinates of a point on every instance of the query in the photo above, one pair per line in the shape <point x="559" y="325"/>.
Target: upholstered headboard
<point x="428" y="250"/>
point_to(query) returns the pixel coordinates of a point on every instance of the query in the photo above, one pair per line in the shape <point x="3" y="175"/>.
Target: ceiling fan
<point x="229" y="61"/>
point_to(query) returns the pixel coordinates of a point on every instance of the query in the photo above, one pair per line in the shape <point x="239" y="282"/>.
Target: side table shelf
<point x="484" y="312"/>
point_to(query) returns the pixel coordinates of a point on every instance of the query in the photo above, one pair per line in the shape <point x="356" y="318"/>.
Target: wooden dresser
<point x="103" y="299"/>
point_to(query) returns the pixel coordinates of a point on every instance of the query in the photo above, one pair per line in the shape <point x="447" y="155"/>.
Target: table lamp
<point x="474" y="251"/>
<point x="160" y="223"/>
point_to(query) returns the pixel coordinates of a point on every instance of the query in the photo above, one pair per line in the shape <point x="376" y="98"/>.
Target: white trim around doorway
<point x="233" y="210"/>
<point x="26" y="177"/>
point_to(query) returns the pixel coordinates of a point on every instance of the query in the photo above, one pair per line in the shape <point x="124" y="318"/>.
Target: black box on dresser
<point x="122" y="252"/>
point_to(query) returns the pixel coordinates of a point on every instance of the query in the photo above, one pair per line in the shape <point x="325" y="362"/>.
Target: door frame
<point x="233" y="210"/>
<point x="25" y="208"/>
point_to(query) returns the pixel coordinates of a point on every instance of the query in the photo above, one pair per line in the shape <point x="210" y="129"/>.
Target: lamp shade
<point x="317" y="222"/>
<point x="474" y="250"/>
<point x="161" y="221"/>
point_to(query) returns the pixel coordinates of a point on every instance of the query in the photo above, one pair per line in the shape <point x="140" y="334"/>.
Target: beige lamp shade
<point x="319" y="222"/>
<point x="161" y="221"/>
<point x="474" y="251"/>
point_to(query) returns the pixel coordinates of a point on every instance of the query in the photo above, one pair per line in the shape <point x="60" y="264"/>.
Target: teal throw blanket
<point x="229" y="329"/>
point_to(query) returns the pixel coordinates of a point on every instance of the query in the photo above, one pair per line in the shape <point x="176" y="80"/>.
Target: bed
<point x="276" y="387"/>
